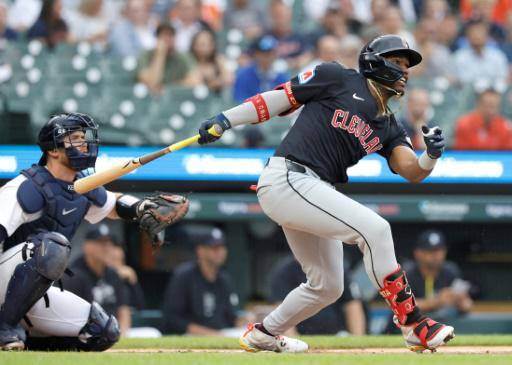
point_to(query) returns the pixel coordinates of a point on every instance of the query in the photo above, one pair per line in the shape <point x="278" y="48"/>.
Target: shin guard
<point x="398" y="294"/>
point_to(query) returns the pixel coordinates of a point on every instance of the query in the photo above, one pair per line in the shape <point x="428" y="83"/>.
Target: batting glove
<point x="207" y="137"/>
<point x="434" y="140"/>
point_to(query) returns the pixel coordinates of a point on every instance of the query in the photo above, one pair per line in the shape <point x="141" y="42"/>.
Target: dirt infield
<point x="462" y="350"/>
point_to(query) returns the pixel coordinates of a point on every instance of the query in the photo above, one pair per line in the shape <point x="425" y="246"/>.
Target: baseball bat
<point x="97" y="179"/>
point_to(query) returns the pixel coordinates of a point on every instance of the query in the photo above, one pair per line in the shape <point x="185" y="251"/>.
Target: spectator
<point x="484" y="128"/>
<point x="6" y="33"/>
<point x="134" y="33"/>
<point x="391" y="22"/>
<point x="116" y="260"/>
<point x="199" y="299"/>
<point x="165" y="65"/>
<point x="94" y="280"/>
<point x="253" y="137"/>
<point x="328" y="49"/>
<point x="334" y="22"/>
<point x="447" y="32"/>
<point x="354" y="12"/>
<point x="437" y="59"/>
<point x="23" y="14"/>
<point x="483" y="9"/>
<point x="89" y="23"/>
<point x="377" y="9"/>
<point x="49" y="26"/>
<point x="496" y="10"/>
<point x="346" y="313"/>
<point x="435" y="10"/>
<point x="246" y="16"/>
<point x="350" y="46"/>
<point x="186" y="18"/>
<point x="210" y="63"/>
<point x="259" y="75"/>
<point x="437" y="283"/>
<point x="417" y="115"/>
<point x="212" y="12"/>
<point x="507" y="46"/>
<point x="480" y="62"/>
<point x="291" y="46"/>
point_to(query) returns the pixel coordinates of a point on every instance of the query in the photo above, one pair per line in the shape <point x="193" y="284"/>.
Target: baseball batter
<point x="39" y="216"/>
<point x="344" y="118"/>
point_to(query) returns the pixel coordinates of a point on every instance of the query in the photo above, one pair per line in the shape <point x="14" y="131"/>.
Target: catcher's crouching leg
<point x="100" y="333"/>
<point x="49" y="254"/>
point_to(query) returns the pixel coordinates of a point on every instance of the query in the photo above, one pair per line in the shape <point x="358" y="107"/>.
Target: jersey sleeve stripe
<point x="287" y="87"/>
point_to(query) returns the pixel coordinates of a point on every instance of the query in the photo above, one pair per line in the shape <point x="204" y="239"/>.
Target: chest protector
<point x="62" y="208"/>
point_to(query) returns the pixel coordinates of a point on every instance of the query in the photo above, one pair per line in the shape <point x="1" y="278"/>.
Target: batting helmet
<point x="53" y="135"/>
<point x="373" y="65"/>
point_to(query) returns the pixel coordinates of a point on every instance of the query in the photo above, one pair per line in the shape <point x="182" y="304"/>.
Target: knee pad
<point x="101" y="330"/>
<point x="51" y="254"/>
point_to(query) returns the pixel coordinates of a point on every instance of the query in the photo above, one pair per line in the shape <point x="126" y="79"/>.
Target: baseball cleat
<point x="11" y="339"/>
<point x="427" y="335"/>
<point x="254" y="340"/>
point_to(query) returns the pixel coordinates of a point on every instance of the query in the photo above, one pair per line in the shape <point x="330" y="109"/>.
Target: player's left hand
<point x="434" y="140"/>
<point x="160" y="210"/>
<point x="205" y="135"/>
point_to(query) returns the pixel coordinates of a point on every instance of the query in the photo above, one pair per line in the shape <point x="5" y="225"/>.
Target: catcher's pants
<point x="64" y="314"/>
<point x="316" y="219"/>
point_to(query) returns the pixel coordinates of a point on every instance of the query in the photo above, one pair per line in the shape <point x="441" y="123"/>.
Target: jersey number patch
<point x="306" y="76"/>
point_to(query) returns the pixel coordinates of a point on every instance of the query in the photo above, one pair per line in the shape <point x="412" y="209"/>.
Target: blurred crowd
<point x="464" y="43"/>
<point x="200" y="298"/>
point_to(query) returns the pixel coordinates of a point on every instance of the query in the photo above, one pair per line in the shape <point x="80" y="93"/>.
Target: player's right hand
<point x="205" y="135"/>
<point x="434" y="140"/>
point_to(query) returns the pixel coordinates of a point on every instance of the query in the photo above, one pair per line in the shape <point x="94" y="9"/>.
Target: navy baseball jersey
<point x="339" y="123"/>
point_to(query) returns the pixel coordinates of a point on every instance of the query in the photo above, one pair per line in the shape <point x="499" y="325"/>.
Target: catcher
<point x="39" y="216"/>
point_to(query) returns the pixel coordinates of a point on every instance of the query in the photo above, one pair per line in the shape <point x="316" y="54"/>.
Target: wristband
<point x="426" y="162"/>
<point x="127" y="207"/>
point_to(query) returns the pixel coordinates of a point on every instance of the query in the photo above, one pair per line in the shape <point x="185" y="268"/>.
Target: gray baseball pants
<point x="316" y="220"/>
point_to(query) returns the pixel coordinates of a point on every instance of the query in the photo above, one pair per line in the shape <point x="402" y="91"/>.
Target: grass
<point x="248" y="359"/>
<point x="316" y="342"/>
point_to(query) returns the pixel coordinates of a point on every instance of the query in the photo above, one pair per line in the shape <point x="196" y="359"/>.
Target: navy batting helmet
<point x="373" y="65"/>
<point x="54" y="133"/>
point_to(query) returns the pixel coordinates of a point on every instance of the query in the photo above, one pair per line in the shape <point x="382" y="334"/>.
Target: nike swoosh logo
<point x="354" y="95"/>
<point x="66" y="212"/>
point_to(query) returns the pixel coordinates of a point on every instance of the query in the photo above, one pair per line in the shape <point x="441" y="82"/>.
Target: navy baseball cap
<point x="210" y="237"/>
<point x="431" y="240"/>
<point x="264" y="43"/>
<point x="100" y="232"/>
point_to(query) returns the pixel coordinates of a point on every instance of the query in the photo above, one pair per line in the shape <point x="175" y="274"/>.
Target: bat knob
<point x="216" y="130"/>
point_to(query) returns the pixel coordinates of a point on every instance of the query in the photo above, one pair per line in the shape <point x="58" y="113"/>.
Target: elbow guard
<point x="127" y="207"/>
<point x="287" y="87"/>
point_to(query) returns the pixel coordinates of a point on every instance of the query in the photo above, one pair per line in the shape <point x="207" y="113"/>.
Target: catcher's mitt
<point x="159" y="211"/>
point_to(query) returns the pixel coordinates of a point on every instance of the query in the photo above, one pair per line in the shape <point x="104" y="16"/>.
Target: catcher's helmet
<point x="374" y="66"/>
<point x="53" y="134"/>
